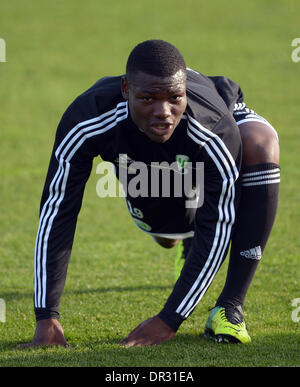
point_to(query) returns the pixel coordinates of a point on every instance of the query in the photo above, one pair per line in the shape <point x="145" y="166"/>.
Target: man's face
<point x="156" y="104"/>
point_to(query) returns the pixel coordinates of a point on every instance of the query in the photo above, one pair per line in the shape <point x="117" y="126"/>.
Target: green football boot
<point x="182" y="252"/>
<point x="226" y="326"/>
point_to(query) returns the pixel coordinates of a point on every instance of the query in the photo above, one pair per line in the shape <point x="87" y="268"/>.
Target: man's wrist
<point x="173" y="319"/>
<point x="46" y="313"/>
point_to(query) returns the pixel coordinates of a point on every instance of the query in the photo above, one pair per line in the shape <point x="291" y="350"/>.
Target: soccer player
<point x="160" y="111"/>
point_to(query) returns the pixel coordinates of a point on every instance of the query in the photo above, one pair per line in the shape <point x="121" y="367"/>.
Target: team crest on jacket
<point x="181" y="161"/>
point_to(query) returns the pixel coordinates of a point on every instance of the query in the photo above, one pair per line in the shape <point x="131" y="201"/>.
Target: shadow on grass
<point x="18" y="295"/>
<point x="185" y="350"/>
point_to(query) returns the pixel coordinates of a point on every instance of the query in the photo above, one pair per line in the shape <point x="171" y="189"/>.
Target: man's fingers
<point x="150" y="332"/>
<point x="138" y="338"/>
<point x="136" y="342"/>
<point x="128" y="343"/>
<point x="132" y="340"/>
<point x="134" y="336"/>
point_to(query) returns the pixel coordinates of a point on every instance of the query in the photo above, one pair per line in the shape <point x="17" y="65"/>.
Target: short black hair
<point x="155" y="57"/>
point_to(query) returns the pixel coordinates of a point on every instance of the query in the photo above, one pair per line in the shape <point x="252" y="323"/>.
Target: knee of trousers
<point x="260" y="144"/>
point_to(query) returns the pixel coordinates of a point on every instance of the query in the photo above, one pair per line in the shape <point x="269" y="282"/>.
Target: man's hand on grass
<point x="150" y="332"/>
<point x="48" y="332"/>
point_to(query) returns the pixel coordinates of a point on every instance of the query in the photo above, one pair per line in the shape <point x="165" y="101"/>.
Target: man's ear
<point x="124" y="88"/>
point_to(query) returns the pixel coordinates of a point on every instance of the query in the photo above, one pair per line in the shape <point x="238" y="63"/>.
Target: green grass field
<point x="117" y="276"/>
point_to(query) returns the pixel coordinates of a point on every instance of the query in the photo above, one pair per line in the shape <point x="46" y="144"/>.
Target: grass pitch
<point x="117" y="276"/>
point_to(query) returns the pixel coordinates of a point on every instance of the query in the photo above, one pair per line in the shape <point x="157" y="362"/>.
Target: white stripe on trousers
<point x="212" y="142"/>
<point x="58" y="186"/>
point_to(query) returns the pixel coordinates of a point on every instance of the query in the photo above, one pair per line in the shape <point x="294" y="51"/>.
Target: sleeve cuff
<point x="45" y="313"/>
<point x="173" y="319"/>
